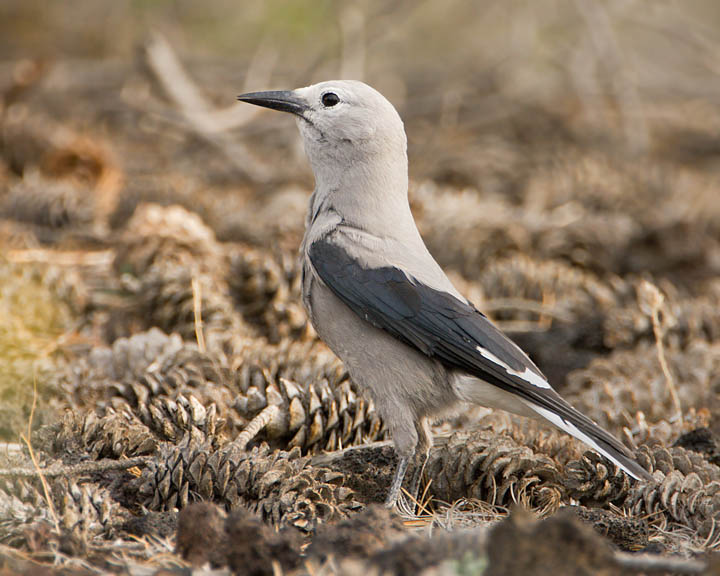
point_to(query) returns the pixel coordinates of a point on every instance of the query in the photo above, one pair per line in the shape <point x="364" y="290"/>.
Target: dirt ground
<point x="165" y="404"/>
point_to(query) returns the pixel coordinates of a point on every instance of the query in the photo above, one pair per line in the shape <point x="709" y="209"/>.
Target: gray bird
<point x="381" y="302"/>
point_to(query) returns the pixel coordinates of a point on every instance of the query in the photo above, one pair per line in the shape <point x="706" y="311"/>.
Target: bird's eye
<point x="330" y="99"/>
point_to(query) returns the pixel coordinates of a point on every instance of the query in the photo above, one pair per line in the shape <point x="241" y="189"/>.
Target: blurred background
<point x="565" y="170"/>
<point x="552" y="144"/>
<point x="621" y="71"/>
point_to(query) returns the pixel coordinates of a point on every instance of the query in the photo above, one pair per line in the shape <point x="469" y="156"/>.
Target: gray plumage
<point x="379" y="300"/>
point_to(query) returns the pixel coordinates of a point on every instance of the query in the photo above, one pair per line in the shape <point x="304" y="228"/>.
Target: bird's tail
<point x="581" y="427"/>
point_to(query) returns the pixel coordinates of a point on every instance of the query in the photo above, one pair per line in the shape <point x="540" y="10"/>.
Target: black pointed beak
<point x="283" y="100"/>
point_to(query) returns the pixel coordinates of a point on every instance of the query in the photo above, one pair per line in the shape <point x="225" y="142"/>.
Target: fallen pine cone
<point x="281" y="486"/>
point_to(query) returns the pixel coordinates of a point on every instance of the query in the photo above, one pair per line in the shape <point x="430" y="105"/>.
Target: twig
<point x="60" y="470"/>
<point x="197" y="312"/>
<point x="178" y="85"/>
<point x="265" y="416"/>
<point x="655" y="300"/>
<point x="26" y="439"/>
<point x="258" y="75"/>
<point x="420" y="504"/>
<point x="193" y="106"/>
<point x="650" y="563"/>
<point x="548" y="303"/>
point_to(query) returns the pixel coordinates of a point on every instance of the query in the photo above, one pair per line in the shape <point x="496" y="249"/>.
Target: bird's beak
<point x="283" y="100"/>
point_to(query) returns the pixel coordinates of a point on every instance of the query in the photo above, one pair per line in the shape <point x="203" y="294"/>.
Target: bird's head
<point x="342" y="122"/>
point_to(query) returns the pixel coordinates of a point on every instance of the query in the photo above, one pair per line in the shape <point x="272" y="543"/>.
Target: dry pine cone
<point x="282" y="486"/>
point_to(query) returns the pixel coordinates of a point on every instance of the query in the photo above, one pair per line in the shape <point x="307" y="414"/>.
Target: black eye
<point x="330" y="99"/>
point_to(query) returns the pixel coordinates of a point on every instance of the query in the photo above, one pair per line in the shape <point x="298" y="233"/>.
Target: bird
<point x="377" y="297"/>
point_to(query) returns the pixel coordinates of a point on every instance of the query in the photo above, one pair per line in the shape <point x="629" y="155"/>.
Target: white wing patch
<point x="528" y="375"/>
<point x="574" y="431"/>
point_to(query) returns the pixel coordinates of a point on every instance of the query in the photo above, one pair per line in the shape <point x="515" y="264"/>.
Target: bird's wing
<point x="452" y="331"/>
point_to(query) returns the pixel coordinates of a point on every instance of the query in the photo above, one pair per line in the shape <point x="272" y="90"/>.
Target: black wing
<point x="455" y="333"/>
<point x="433" y="321"/>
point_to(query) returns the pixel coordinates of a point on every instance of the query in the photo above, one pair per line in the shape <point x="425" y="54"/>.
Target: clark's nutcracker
<point x="379" y="300"/>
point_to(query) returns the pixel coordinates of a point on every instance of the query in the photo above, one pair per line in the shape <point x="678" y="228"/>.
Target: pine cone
<point x="595" y="481"/>
<point x="167" y="249"/>
<point x="50" y="205"/>
<point x="491" y="226"/>
<point x="185" y="390"/>
<point x="679" y="498"/>
<point x="668" y="460"/>
<point x="665" y="432"/>
<point x="612" y="389"/>
<point x="167" y="236"/>
<point x="174" y="419"/>
<point x="83" y="509"/>
<point x="87" y="509"/>
<point x="114" y="435"/>
<point x="312" y="415"/>
<point x="182" y="370"/>
<point x="572" y="292"/>
<point x="537" y="435"/>
<point x="22" y="504"/>
<point x="298" y="361"/>
<point x="687" y="490"/>
<point x="267" y="289"/>
<point x="701" y="440"/>
<point x="166" y="300"/>
<point x="698" y="319"/>
<point x="89" y="379"/>
<point x="496" y="469"/>
<point x="120" y="429"/>
<point x="281" y="486"/>
<point x="684" y="321"/>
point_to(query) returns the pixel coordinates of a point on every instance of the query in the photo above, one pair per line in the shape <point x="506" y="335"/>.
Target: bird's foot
<point x="421" y="459"/>
<point x="396" y="483"/>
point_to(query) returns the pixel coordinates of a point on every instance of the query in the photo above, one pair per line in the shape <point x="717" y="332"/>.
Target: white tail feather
<point x="571" y="429"/>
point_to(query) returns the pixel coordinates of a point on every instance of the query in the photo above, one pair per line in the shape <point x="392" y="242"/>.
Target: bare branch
<point x="197" y="112"/>
<point x="60" y="470"/>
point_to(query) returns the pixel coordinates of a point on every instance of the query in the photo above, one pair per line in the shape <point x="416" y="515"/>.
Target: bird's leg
<point x="405" y="438"/>
<point x="397" y="481"/>
<point x="420" y="458"/>
<point x="413" y="445"/>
